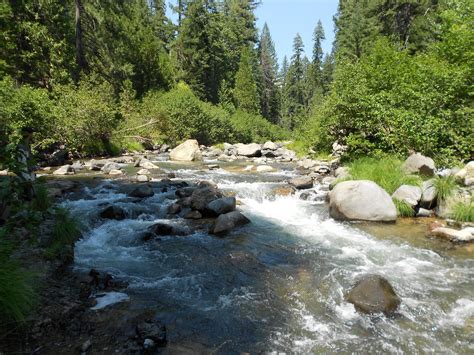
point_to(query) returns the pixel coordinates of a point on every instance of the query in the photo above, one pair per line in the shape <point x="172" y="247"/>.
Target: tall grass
<point x="445" y="188"/>
<point x="386" y="172"/>
<point x="65" y="232"/>
<point x="17" y="295"/>
<point x="403" y="208"/>
<point x="463" y="211"/>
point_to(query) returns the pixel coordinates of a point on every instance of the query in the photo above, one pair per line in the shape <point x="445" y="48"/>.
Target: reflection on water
<point x="278" y="284"/>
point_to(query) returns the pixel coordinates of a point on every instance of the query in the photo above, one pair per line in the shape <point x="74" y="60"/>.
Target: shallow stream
<point x="278" y="284"/>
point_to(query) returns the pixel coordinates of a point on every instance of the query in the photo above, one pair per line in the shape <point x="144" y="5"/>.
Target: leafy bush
<point x="403" y="208"/>
<point x="386" y="172"/>
<point x="254" y="128"/>
<point x="392" y="101"/>
<point x="85" y="116"/>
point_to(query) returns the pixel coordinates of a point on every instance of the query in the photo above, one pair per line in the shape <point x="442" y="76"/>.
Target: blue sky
<point x="287" y="17"/>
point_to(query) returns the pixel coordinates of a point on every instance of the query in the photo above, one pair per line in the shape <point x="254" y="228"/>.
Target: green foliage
<point x="65" y="232"/>
<point x="445" y="188"/>
<point x="42" y="202"/>
<point x="86" y="115"/>
<point x="385" y="171"/>
<point x="245" y="90"/>
<point x="403" y="208"/>
<point x="254" y="128"/>
<point x="463" y="211"/>
<point x="17" y="295"/>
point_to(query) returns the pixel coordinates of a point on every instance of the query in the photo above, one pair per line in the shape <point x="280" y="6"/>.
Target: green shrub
<point x="17" y="295"/>
<point x="445" y="188"/>
<point x="403" y="208"/>
<point x="386" y="172"/>
<point x="254" y="128"/>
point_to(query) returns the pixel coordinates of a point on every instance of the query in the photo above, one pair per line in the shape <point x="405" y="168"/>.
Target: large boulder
<point x="201" y="197"/>
<point x="109" y="166"/>
<point x="374" y="294"/>
<point x="226" y="222"/>
<point x="428" y="194"/>
<point x="142" y="191"/>
<point x="220" y="206"/>
<point x="361" y="200"/>
<point x="301" y="183"/>
<point x="147" y="165"/>
<point x="466" y="174"/>
<point x="187" y="151"/>
<point x="408" y="194"/>
<point x="270" y="146"/>
<point x="418" y="163"/>
<point x="249" y="150"/>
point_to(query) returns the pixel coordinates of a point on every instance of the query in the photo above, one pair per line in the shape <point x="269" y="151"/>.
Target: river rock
<point x="423" y="212"/>
<point x="109" y="166"/>
<point x="193" y="215"/>
<point x="164" y="229"/>
<point x="174" y="208"/>
<point x="142" y="178"/>
<point x="303" y="182"/>
<point x="249" y="150"/>
<point x="466" y="174"/>
<point x="152" y="330"/>
<point x="428" y="194"/>
<point x="187" y="151"/>
<point x="464" y="235"/>
<point x="65" y="170"/>
<point x="284" y="190"/>
<point x="374" y="294"/>
<point x="361" y="200"/>
<point x="408" y="194"/>
<point x="201" y="197"/>
<point x="147" y="165"/>
<point x="264" y="169"/>
<point x="220" y="206"/>
<point x="227" y="222"/>
<point x="307" y="163"/>
<point x="142" y="191"/>
<point x="115" y="172"/>
<point x="418" y="163"/>
<point x="270" y="146"/>
<point x="113" y="212"/>
<point x="185" y="191"/>
<point x="342" y="172"/>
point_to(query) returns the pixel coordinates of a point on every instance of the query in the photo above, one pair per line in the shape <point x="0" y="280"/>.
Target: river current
<point x="277" y="284"/>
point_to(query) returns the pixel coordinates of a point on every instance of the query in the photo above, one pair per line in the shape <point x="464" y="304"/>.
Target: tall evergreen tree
<point x="318" y="38"/>
<point x="245" y="91"/>
<point x="268" y="61"/>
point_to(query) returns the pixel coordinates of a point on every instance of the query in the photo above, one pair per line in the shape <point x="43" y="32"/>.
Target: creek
<point x="278" y="284"/>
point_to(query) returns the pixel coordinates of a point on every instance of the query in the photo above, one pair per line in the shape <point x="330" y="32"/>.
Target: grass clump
<point x="66" y="230"/>
<point x="463" y="211"/>
<point x="386" y="172"/>
<point x="403" y="208"/>
<point x="445" y="188"/>
<point x="17" y="295"/>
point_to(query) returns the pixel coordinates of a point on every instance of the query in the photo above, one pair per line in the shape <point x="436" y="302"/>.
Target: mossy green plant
<point x="403" y="208"/>
<point x="445" y="188"/>
<point x="463" y="211"/>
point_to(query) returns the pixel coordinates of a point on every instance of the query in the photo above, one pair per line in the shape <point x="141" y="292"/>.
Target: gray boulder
<point x="428" y="194"/>
<point x="466" y="174"/>
<point x="113" y="212"/>
<point x="408" y="194"/>
<point x="374" y="294"/>
<point x="187" y="151"/>
<point x="249" y="150"/>
<point x="418" y="163"/>
<point x="147" y="165"/>
<point x="361" y="200"/>
<point x="109" y="166"/>
<point x="65" y="170"/>
<point x="303" y="182"/>
<point x="142" y="191"/>
<point x="227" y="222"/>
<point x="201" y="197"/>
<point x="270" y="146"/>
<point x="220" y="206"/>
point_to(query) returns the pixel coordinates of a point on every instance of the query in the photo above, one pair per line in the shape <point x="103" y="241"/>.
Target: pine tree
<point x="269" y="71"/>
<point x="245" y="90"/>
<point x="318" y="38"/>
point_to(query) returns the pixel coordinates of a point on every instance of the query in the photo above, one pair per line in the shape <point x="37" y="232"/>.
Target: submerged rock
<point x="303" y="182"/>
<point x="374" y="294"/>
<point x="227" y="222"/>
<point x="163" y="229"/>
<point x="142" y="191"/>
<point x="361" y="200"/>
<point x="187" y="151"/>
<point x="418" y="163"/>
<point x="113" y="212"/>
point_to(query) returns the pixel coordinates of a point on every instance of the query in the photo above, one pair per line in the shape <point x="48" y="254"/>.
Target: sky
<point x="285" y="18"/>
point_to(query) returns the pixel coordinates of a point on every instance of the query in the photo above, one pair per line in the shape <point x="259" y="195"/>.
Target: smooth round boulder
<point x="419" y="164"/>
<point x="361" y="200"/>
<point x="249" y="150"/>
<point x="227" y="222"/>
<point x="65" y="170"/>
<point x="374" y="294"/>
<point x="270" y="146"/>
<point x="113" y="212"/>
<point x="408" y="194"/>
<point x="301" y="183"/>
<point x="142" y="191"/>
<point x="428" y="194"/>
<point x="187" y="151"/>
<point x="220" y="206"/>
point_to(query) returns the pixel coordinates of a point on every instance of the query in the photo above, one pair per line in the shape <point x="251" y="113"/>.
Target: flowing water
<point x="278" y="284"/>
